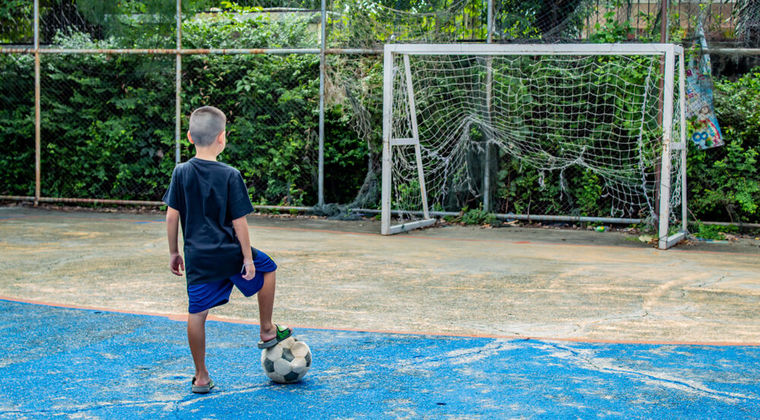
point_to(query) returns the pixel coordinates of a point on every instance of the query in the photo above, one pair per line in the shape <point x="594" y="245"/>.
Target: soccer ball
<point x="287" y="361"/>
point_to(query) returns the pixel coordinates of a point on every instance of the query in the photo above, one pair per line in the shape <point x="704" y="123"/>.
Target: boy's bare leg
<point x="266" y="303"/>
<point x="196" y="337"/>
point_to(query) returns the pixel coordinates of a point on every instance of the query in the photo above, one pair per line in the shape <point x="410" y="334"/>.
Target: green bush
<point x="478" y="217"/>
<point x="108" y="121"/>
<point x="108" y="126"/>
<point x="17" y="124"/>
<point x="712" y="232"/>
<point x="724" y="182"/>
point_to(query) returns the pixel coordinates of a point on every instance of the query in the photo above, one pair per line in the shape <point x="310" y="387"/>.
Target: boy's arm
<point x="241" y="231"/>
<point x="172" y="232"/>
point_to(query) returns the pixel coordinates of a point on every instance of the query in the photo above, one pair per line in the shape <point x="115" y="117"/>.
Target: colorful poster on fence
<point x="699" y="104"/>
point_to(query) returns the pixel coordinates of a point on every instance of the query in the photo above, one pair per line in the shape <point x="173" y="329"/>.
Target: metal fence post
<point x="37" y="133"/>
<point x="663" y="39"/>
<point x="489" y="82"/>
<point x="178" y="86"/>
<point x="321" y="164"/>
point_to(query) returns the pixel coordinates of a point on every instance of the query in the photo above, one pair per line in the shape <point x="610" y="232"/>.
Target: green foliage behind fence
<point x="108" y="127"/>
<point x="724" y="183"/>
<point x="108" y="121"/>
<point x="17" y="124"/>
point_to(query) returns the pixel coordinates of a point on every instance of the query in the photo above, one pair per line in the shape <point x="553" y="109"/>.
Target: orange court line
<point x="183" y="317"/>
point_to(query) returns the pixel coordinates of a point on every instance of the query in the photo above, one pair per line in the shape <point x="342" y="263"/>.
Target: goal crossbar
<point x="533" y="49"/>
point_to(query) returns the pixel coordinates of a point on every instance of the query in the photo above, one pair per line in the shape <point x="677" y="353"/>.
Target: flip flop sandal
<point x="282" y="333"/>
<point x="202" y="389"/>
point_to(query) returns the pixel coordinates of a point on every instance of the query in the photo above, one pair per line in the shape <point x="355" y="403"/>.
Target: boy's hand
<point x="176" y="264"/>
<point x="250" y="270"/>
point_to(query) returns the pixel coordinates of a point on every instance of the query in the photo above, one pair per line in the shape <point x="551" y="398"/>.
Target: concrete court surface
<point x="506" y="282"/>
<point x="438" y="318"/>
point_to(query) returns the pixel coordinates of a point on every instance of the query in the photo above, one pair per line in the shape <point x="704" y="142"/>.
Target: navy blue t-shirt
<point x="209" y="195"/>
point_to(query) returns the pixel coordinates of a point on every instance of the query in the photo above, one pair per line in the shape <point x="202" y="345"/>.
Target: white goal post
<point x="550" y="108"/>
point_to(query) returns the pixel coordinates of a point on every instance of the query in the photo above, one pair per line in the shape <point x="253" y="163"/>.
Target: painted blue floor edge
<point x="61" y="362"/>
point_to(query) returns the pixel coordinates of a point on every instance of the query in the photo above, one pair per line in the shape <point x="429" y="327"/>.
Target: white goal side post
<point x="553" y="108"/>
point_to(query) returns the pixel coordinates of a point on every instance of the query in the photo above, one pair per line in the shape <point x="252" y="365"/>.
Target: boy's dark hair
<point x="206" y="123"/>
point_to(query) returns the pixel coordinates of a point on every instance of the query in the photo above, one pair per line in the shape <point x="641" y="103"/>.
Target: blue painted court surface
<point x="59" y="362"/>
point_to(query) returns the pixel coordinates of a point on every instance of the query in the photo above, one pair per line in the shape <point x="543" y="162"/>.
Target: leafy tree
<point x="16" y="21"/>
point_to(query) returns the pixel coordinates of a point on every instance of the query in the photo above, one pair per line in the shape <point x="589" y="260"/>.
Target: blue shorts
<point x="208" y="295"/>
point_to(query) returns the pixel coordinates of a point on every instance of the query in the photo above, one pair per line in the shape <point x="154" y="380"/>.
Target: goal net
<point x="570" y="132"/>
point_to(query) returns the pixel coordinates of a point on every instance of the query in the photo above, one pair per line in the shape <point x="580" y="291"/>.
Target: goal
<point x="592" y="132"/>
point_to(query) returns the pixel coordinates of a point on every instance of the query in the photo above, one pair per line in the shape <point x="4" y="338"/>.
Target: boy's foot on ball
<point x="273" y="336"/>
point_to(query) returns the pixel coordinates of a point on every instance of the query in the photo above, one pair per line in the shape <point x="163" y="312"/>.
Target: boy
<point x="211" y="201"/>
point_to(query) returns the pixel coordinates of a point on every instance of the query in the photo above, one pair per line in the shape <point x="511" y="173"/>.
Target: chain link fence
<point x="108" y="85"/>
<point x="17" y="124"/>
<point x="272" y="104"/>
<point x="106" y="125"/>
<point x="17" y="108"/>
